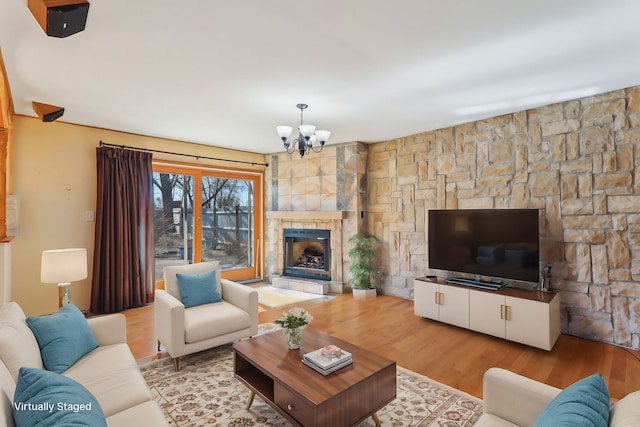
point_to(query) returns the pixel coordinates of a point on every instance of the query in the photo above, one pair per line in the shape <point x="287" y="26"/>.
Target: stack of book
<point x="327" y="359"/>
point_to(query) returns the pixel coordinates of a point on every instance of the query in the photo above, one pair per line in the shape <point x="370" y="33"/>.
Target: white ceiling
<point x="225" y="73"/>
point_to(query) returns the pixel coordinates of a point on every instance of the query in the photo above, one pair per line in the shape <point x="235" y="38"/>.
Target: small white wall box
<point x="13" y="215"/>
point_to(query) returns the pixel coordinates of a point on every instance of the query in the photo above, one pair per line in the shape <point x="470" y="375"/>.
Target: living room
<point x="576" y="160"/>
<point x="76" y="187"/>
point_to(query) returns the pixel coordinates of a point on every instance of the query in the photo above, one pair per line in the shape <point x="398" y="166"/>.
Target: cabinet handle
<point x="290" y="406"/>
<point x="502" y="311"/>
<point x="441" y="299"/>
<point x="435" y="296"/>
<point x="507" y="312"/>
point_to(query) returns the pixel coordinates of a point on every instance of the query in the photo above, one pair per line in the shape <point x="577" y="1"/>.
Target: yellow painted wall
<point x="54" y="175"/>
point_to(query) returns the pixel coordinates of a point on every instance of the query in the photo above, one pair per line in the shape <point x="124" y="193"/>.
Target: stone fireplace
<point x="325" y="191"/>
<point x="288" y="248"/>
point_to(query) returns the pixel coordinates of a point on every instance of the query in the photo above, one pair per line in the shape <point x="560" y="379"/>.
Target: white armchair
<point x="184" y="331"/>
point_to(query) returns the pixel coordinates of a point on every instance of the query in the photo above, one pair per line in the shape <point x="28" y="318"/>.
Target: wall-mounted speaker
<point x="60" y="18"/>
<point x="46" y="112"/>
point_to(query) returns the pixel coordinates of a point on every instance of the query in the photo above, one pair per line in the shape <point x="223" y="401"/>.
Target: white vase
<point x="364" y="293"/>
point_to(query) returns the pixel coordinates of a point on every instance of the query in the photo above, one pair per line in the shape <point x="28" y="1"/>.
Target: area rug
<point x="277" y="297"/>
<point x="205" y="393"/>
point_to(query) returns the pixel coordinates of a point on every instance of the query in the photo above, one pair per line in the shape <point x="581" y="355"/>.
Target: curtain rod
<point x="150" y="150"/>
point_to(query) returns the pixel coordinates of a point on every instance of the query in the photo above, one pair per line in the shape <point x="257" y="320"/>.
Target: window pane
<point x="227" y="222"/>
<point x="173" y="220"/>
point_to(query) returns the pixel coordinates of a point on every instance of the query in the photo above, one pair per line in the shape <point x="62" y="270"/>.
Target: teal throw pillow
<point x="63" y="337"/>
<point x="44" y="399"/>
<point x="198" y="289"/>
<point x="585" y="403"/>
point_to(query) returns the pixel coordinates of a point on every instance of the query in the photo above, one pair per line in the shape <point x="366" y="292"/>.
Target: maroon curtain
<point x="123" y="259"/>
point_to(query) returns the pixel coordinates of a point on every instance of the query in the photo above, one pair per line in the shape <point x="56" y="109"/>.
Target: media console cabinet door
<point x="425" y="296"/>
<point x="454" y="306"/>
<point x="533" y="322"/>
<point x="486" y="313"/>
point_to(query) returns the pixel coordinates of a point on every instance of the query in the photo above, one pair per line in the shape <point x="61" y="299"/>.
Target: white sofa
<point x="109" y="372"/>
<point x="184" y="331"/>
<point x="512" y="400"/>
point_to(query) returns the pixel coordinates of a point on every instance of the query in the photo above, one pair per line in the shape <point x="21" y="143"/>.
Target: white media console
<point x="528" y="317"/>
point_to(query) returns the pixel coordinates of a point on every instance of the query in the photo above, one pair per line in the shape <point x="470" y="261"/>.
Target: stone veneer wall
<point x="578" y="161"/>
<point x="332" y="180"/>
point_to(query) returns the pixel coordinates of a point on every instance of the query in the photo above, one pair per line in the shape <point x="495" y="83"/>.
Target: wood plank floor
<point x="387" y="325"/>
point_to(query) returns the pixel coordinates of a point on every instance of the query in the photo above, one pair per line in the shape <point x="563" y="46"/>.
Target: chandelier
<point x="309" y="139"/>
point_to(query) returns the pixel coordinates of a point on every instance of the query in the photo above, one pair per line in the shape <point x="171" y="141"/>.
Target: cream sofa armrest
<point x="243" y="297"/>
<point x="169" y="322"/>
<point x="515" y="398"/>
<point x="109" y="329"/>
<point x="626" y="411"/>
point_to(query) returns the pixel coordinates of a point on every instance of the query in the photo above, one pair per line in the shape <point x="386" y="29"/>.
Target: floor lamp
<point x="63" y="266"/>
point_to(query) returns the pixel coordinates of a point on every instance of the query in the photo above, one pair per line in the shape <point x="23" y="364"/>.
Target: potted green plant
<point x="361" y="268"/>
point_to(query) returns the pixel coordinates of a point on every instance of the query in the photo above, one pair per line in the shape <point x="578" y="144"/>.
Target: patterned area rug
<point x="205" y="392"/>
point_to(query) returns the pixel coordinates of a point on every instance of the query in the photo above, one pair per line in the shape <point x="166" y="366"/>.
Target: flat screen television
<point x="498" y="243"/>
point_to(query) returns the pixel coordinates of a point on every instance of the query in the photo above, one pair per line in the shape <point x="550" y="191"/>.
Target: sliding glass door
<point x="207" y="215"/>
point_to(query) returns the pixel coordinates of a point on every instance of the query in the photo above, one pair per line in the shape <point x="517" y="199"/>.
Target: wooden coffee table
<point x="305" y="397"/>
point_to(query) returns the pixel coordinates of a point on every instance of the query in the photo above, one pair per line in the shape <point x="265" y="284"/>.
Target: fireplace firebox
<point x="307" y="253"/>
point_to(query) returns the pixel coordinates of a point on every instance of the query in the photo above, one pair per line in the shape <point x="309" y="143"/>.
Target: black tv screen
<point x="499" y="243"/>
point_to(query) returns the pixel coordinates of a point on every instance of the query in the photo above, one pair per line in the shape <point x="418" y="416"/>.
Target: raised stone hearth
<point x="311" y="286"/>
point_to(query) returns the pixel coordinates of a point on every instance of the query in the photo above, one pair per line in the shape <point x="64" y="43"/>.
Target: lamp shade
<point x="63" y="265"/>
<point x="284" y="131"/>
<point x="323" y="135"/>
